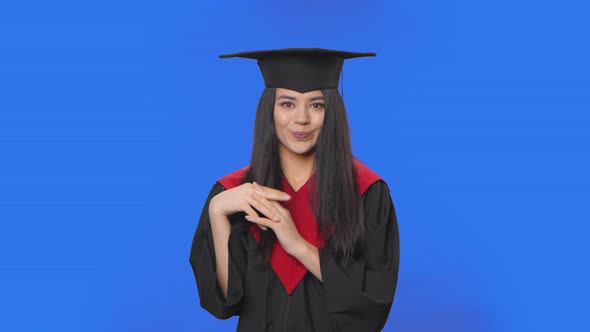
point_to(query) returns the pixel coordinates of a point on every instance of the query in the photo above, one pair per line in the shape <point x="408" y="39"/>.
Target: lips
<point x="301" y="135"/>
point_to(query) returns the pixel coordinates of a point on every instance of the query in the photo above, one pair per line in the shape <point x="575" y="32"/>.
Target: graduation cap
<point x="300" y="69"/>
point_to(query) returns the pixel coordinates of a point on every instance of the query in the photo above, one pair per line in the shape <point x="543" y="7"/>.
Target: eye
<point x="287" y="104"/>
<point x="318" y="106"/>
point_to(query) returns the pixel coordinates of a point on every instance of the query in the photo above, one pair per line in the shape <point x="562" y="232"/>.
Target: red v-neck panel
<point x="290" y="190"/>
<point x="287" y="268"/>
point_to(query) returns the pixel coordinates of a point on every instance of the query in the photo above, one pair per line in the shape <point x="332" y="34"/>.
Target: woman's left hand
<point x="284" y="227"/>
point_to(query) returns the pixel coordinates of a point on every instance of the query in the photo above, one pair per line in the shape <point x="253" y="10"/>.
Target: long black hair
<point x="337" y="207"/>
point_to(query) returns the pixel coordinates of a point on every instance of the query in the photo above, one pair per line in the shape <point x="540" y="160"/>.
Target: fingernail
<point x="248" y="218"/>
<point x="276" y="218"/>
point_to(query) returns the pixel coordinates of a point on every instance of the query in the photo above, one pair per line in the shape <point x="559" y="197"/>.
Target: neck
<point x="296" y="168"/>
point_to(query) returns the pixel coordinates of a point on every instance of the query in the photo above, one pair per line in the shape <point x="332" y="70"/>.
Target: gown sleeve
<point x="202" y="260"/>
<point x="359" y="296"/>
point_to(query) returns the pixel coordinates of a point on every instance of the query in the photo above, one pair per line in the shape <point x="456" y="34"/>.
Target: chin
<point x="303" y="151"/>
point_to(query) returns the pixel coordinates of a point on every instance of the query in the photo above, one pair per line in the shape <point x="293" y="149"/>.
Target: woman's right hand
<point x="239" y="199"/>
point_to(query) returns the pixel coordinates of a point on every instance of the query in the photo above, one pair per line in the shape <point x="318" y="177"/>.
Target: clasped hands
<point x="250" y="196"/>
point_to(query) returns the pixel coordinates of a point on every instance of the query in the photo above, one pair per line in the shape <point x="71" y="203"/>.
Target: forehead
<point x="282" y="92"/>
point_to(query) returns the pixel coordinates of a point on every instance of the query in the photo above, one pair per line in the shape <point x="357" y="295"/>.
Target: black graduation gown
<point x="356" y="297"/>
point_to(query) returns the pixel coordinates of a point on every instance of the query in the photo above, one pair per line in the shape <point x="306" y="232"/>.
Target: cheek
<point x="280" y="125"/>
<point x="281" y="121"/>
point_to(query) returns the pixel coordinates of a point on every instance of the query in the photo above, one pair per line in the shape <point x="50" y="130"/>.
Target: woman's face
<point x="298" y="120"/>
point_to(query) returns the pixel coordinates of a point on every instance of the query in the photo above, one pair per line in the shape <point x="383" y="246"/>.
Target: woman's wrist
<point x="302" y="249"/>
<point x="214" y="210"/>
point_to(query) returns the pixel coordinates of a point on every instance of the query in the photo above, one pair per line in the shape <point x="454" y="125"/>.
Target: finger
<point x="270" y="193"/>
<point x="275" y="206"/>
<point x="256" y="202"/>
<point x="280" y="208"/>
<point x="250" y="211"/>
<point x="264" y="222"/>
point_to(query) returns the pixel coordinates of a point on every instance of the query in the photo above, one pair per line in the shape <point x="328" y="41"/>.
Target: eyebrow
<point x="293" y="98"/>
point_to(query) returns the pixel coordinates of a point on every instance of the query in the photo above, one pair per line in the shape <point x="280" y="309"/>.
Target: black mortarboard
<point x="300" y="69"/>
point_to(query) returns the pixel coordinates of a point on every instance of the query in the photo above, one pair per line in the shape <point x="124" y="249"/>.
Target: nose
<point x="302" y="116"/>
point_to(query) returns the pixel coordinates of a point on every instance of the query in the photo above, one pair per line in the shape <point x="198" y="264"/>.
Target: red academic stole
<point x="289" y="270"/>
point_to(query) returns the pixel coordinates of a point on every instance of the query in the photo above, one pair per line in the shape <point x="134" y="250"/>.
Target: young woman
<point x="305" y="238"/>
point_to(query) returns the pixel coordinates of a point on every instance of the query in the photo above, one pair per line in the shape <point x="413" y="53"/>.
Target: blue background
<point x="116" y="117"/>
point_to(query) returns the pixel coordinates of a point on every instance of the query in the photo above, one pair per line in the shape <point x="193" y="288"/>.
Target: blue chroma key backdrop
<point x="116" y="118"/>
